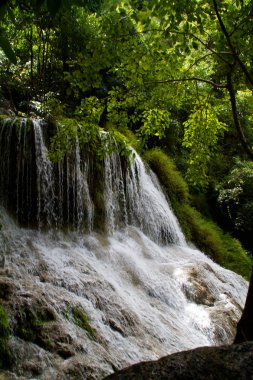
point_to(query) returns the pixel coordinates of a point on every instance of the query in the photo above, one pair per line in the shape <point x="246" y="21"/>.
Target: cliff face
<point x="204" y="363"/>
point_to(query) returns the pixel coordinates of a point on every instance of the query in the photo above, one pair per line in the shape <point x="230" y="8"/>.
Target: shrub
<point x="209" y="238"/>
<point x="168" y="175"/>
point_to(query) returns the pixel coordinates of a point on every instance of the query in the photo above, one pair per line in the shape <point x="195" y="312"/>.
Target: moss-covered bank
<point x="204" y="233"/>
<point x="4" y="337"/>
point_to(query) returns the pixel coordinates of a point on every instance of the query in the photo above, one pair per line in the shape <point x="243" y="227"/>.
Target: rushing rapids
<point x="90" y="300"/>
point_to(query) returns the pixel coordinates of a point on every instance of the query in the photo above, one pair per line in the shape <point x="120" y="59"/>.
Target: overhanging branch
<point x="196" y="79"/>
<point x="231" y="46"/>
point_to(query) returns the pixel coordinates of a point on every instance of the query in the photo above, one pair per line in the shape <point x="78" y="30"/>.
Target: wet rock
<point x="7" y="288"/>
<point x="116" y="326"/>
<point x="75" y="313"/>
<point x="196" y="288"/>
<point x="204" y="363"/>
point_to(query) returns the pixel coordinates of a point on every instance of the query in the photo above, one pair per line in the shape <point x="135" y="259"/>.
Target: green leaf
<point x="6" y="46"/>
<point x="53" y="6"/>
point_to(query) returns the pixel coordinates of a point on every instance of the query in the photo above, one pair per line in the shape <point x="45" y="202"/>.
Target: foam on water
<point x="133" y="290"/>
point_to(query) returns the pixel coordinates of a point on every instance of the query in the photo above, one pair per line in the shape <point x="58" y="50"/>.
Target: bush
<point x="209" y="238"/>
<point x="235" y="197"/>
<point x="168" y="175"/>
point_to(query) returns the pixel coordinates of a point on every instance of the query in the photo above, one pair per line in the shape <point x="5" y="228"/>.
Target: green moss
<point x="209" y="238"/>
<point x="31" y="321"/>
<point x="4" y="337"/>
<point x="82" y="320"/>
<point x="43" y="316"/>
<point x="168" y="175"/>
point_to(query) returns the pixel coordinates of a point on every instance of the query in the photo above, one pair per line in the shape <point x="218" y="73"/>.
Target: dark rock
<point x="203" y="363"/>
<point x="7" y="288"/>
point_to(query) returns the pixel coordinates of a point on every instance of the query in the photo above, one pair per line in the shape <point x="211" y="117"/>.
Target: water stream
<point x="145" y="291"/>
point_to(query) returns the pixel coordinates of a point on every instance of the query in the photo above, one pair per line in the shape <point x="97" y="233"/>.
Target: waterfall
<point x="62" y="194"/>
<point x="107" y="244"/>
<point x="136" y="198"/>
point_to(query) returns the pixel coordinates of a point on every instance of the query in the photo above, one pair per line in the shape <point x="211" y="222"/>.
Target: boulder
<point x="203" y="363"/>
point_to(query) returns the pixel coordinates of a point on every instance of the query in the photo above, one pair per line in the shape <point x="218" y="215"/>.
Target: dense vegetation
<point x="167" y="74"/>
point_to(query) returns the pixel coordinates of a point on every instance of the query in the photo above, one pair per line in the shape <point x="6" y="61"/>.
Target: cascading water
<point x="145" y="292"/>
<point x="63" y="194"/>
<point x="135" y="198"/>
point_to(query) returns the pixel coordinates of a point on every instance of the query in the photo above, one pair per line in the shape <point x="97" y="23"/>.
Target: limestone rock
<point x="203" y="363"/>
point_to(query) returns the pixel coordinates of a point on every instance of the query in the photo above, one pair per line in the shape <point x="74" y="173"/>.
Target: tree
<point x="220" y="34"/>
<point x="245" y="327"/>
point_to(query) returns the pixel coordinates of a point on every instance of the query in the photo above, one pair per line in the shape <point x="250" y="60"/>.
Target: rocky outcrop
<point x="204" y="363"/>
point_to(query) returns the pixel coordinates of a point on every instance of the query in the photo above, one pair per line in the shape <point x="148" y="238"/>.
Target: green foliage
<point x="91" y="109"/>
<point x="155" y="122"/>
<point x="202" y="130"/>
<point x="236" y="196"/>
<point x="82" y="320"/>
<point x="4" y="337"/>
<point x="87" y="132"/>
<point x="7" y="48"/>
<point x="168" y="175"/>
<point x="209" y="238"/>
<point x="69" y="133"/>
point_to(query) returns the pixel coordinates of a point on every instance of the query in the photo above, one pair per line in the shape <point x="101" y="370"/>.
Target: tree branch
<point x="218" y="54"/>
<point x="231" y="46"/>
<point x="238" y="126"/>
<point x="197" y="61"/>
<point x="213" y="84"/>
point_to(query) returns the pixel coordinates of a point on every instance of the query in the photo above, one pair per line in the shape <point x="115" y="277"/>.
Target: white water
<point x="137" y="199"/>
<point x="146" y="292"/>
<point x="63" y="194"/>
<point x="133" y="290"/>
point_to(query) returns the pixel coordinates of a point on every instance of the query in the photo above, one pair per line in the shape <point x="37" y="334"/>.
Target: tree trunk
<point x="245" y="325"/>
<point x="236" y="118"/>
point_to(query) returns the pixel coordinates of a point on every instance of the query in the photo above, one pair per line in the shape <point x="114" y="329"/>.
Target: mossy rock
<point x="31" y="320"/>
<point x="82" y="320"/>
<point x="5" y="357"/>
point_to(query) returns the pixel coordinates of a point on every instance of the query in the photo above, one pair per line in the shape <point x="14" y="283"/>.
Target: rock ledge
<point x="203" y="363"/>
